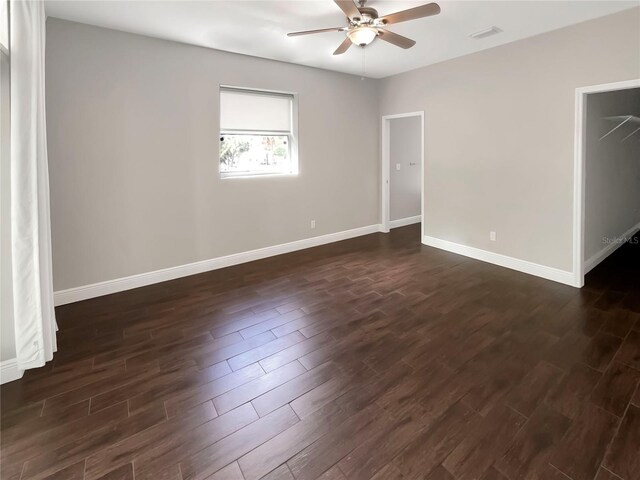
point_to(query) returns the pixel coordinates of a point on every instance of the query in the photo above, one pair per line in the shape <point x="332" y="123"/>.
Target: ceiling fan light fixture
<point x="362" y="35"/>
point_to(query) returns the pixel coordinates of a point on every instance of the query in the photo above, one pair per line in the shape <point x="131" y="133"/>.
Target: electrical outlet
<point x="492" y="236"/>
<point x="397" y="166"/>
<point x="313" y="224"/>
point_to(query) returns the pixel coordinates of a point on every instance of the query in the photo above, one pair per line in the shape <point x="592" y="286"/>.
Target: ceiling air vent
<point x="487" y="32"/>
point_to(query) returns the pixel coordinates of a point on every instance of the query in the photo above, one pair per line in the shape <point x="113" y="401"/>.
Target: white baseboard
<point x="85" y="292"/>
<point x="9" y="371"/>
<point x="402" y="222"/>
<point x="592" y="262"/>
<point x="524" y="266"/>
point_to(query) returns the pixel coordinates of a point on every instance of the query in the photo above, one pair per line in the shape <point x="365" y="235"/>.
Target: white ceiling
<point x="259" y="28"/>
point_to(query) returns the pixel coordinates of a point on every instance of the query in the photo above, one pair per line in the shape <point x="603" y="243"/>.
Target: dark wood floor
<point x="370" y="358"/>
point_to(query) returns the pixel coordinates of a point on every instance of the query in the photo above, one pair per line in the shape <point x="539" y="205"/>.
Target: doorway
<point x="606" y="172"/>
<point x="402" y="172"/>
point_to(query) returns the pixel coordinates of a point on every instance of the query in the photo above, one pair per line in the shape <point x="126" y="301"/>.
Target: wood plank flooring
<point x="373" y="358"/>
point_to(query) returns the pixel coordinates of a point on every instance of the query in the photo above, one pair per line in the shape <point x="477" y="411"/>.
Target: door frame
<point x="579" y="173"/>
<point x="385" y="166"/>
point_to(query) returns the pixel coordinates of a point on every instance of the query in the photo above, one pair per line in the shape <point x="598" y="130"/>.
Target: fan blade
<point x="349" y="8"/>
<point x="395" y="39"/>
<point x="411" y="14"/>
<point x="321" y="30"/>
<point x="344" y="46"/>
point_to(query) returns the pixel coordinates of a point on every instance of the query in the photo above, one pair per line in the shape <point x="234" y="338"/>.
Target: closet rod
<point x="622" y="119"/>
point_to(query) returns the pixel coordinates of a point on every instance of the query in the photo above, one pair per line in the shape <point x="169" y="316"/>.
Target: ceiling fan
<point x="365" y="25"/>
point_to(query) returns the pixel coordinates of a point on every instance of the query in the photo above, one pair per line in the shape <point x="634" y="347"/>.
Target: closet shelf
<point x="623" y="120"/>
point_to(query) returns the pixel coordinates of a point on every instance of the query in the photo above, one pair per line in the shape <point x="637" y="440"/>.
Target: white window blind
<point x="251" y="111"/>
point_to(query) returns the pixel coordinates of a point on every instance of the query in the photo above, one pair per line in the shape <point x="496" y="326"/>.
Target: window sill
<point x="227" y="176"/>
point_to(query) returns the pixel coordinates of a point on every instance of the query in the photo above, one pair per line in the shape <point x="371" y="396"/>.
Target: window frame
<point x="292" y="135"/>
<point x="6" y="10"/>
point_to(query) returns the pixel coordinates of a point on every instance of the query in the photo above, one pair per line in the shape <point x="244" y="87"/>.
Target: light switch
<point x="397" y="166"/>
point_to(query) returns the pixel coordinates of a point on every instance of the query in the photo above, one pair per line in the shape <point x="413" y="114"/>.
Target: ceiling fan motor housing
<point x="368" y="15"/>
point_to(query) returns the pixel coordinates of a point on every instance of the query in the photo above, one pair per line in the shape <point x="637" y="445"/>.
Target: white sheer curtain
<point x="34" y="316"/>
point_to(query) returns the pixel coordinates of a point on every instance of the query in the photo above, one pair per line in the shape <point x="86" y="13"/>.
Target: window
<point x="5" y="166"/>
<point x="4" y="26"/>
<point x="5" y="91"/>
<point x="257" y="133"/>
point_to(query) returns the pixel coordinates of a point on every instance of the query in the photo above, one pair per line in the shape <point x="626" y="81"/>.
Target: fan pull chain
<point x="363" y="64"/>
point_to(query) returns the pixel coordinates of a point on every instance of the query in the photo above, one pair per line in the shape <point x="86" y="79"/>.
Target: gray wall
<point x="133" y="141"/>
<point x="612" y="170"/>
<point x="405" y="184"/>
<point x="133" y="121"/>
<point x="499" y="133"/>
